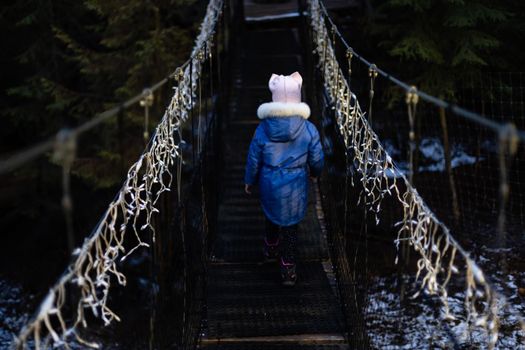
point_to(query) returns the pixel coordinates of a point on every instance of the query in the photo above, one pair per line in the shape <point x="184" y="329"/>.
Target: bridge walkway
<point x="247" y="308"/>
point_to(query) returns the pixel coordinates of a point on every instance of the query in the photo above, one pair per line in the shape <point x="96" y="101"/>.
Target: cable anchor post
<point x="333" y="30"/>
<point x="201" y="58"/>
<point x="508" y="146"/>
<point x="372" y="74"/>
<point x="64" y="153"/>
<point x="201" y="55"/>
<point x="411" y="99"/>
<point x="349" y="56"/>
<point x="210" y="45"/>
<point x="178" y="75"/>
<point x="329" y="66"/>
<point x="146" y="102"/>
<point x="177" y="101"/>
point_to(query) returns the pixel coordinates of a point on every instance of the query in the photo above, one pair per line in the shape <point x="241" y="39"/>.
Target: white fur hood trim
<point x="283" y="109"/>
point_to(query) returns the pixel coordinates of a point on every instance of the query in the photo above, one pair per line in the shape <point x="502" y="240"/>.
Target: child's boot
<point x="271" y="241"/>
<point x="271" y="250"/>
<point x="288" y="273"/>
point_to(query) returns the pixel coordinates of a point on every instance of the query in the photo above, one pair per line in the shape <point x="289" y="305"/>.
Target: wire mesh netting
<point x="468" y="176"/>
<point x="399" y="277"/>
<point x="154" y="234"/>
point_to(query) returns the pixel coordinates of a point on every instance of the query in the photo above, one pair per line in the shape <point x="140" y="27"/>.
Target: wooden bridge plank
<point x="301" y="339"/>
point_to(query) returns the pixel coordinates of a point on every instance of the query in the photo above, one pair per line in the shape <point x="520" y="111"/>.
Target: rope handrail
<point x="439" y="252"/>
<point x="460" y="111"/>
<point x="94" y="264"/>
<point x="22" y="157"/>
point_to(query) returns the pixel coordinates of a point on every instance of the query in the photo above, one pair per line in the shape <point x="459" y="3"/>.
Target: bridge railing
<point x="380" y="194"/>
<point x="166" y="208"/>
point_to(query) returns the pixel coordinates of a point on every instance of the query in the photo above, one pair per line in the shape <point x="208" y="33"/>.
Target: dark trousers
<point x="285" y="237"/>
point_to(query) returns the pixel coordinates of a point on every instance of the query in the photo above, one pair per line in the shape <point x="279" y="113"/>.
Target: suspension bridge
<point x="183" y="200"/>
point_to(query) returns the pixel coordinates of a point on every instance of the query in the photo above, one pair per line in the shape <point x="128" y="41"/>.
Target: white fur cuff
<point x="283" y="109"/>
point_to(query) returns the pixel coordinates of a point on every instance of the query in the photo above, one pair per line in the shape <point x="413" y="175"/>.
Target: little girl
<point x="285" y="144"/>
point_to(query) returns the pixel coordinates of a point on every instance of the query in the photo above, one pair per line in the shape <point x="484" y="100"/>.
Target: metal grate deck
<point x="246" y="300"/>
<point x="247" y="308"/>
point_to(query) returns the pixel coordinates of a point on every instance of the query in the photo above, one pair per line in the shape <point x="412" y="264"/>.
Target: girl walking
<point x="284" y="149"/>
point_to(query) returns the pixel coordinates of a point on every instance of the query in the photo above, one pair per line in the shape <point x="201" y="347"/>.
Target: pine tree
<point x="36" y="71"/>
<point x="71" y="60"/>
<point x="512" y="33"/>
<point x="440" y="42"/>
<point x="138" y="43"/>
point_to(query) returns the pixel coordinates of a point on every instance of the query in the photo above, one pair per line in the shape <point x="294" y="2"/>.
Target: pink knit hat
<point x="286" y="88"/>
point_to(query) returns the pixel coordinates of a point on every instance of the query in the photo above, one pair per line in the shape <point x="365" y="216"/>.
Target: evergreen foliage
<point x="35" y="70"/>
<point x="63" y="62"/>
<point x="440" y="42"/>
<point x="138" y="43"/>
<point x="71" y="60"/>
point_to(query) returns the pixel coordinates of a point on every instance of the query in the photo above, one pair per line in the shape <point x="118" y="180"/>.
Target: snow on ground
<point x="432" y="156"/>
<point x="14" y="311"/>
<point x="416" y="323"/>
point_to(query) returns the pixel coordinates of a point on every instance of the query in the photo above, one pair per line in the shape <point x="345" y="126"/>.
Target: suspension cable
<point x="429" y="236"/>
<point x="460" y="111"/>
<point x="23" y="157"/>
<point x="20" y="158"/>
<point x="95" y="264"/>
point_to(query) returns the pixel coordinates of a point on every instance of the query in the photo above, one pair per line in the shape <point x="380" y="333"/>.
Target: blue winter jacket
<point x="284" y="146"/>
